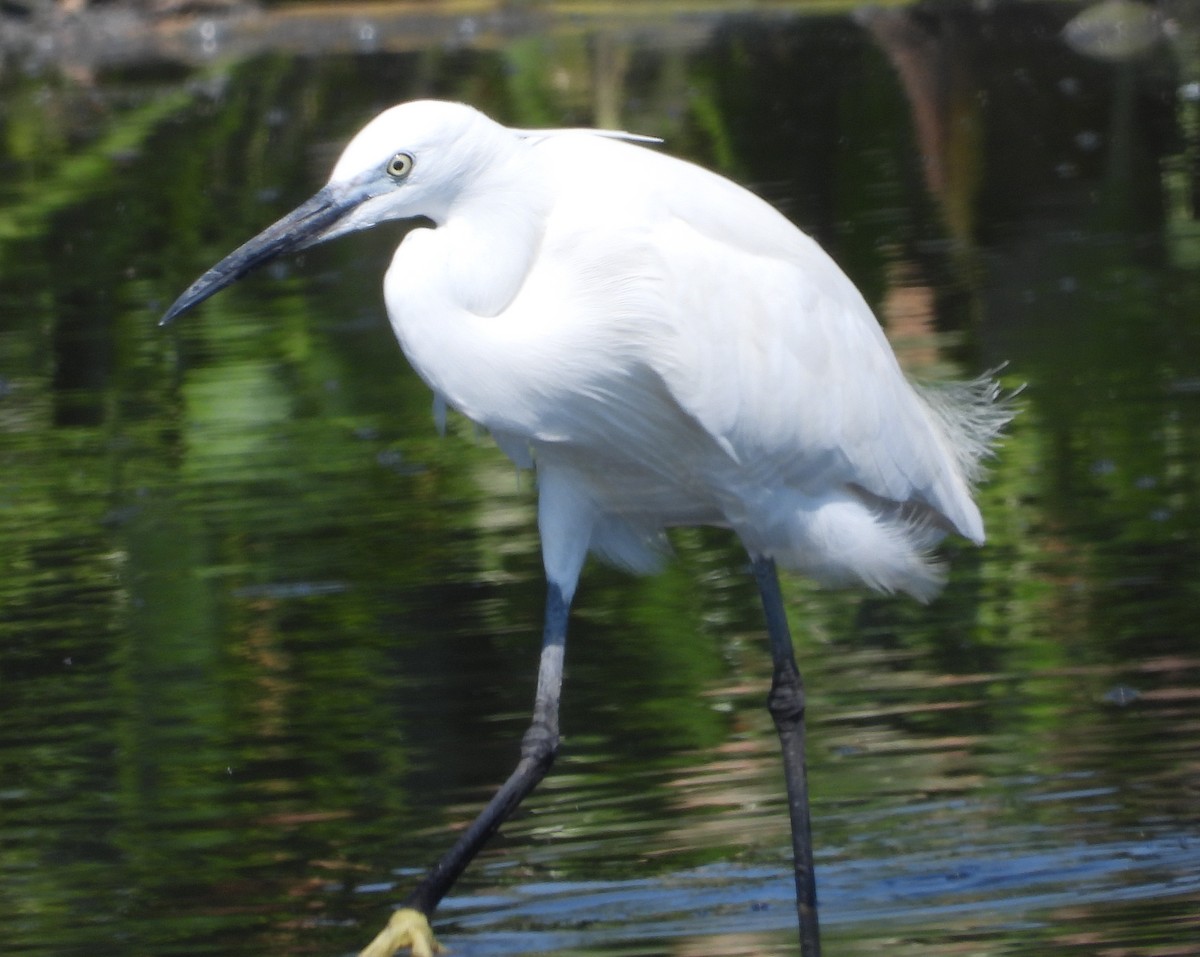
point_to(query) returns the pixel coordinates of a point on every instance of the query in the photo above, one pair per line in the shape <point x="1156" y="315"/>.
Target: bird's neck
<point x="492" y="240"/>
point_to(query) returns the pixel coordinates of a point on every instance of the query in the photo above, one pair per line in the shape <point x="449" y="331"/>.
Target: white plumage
<point x="669" y="350"/>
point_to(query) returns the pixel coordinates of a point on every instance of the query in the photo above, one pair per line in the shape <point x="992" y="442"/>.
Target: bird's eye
<point x="399" y="166"/>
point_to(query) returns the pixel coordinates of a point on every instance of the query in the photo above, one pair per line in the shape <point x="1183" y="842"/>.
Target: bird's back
<point x="736" y="328"/>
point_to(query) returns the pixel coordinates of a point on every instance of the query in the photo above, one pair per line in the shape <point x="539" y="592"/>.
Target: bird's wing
<point x="777" y="355"/>
<point x="750" y="330"/>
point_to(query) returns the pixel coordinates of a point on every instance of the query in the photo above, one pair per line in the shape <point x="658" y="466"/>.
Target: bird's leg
<point x="409" y="926"/>
<point x="786" y="704"/>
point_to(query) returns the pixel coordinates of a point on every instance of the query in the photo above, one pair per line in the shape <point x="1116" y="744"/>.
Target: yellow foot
<point x="407" y="928"/>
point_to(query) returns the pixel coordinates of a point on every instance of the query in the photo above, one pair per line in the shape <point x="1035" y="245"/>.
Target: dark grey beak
<point x="306" y="225"/>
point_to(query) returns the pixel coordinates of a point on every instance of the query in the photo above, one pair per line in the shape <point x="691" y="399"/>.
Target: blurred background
<point x="267" y="640"/>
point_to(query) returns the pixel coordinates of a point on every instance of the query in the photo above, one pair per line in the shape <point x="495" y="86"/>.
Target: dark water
<point x="266" y="640"/>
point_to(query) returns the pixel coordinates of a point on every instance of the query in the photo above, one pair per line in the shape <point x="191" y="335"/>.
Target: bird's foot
<point x="406" y="928"/>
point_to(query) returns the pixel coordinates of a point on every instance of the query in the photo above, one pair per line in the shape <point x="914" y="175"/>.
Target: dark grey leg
<point x="409" y="926"/>
<point x="786" y="704"/>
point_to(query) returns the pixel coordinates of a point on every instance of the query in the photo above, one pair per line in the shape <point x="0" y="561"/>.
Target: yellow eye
<point x="399" y="166"/>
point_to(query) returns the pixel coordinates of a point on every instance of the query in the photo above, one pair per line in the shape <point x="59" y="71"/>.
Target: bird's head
<point x="413" y="160"/>
<point x="417" y="160"/>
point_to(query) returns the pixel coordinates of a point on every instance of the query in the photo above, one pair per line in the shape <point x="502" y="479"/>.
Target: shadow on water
<point x="266" y="639"/>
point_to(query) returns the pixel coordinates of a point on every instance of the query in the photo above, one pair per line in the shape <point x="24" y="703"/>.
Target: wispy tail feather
<point x="972" y="415"/>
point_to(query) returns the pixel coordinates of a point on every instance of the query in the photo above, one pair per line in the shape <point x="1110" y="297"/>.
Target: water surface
<point x="267" y="640"/>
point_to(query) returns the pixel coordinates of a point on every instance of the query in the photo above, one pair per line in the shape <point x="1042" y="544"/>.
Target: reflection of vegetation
<point x="271" y="606"/>
<point x="58" y="174"/>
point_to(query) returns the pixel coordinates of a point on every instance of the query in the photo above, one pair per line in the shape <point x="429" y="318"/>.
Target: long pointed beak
<point x="306" y="225"/>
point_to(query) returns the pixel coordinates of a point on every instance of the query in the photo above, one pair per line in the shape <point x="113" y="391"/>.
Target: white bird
<point x="665" y="349"/>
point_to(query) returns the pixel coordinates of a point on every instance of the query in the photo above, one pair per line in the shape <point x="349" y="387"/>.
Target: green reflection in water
<point x="265" y="638"/>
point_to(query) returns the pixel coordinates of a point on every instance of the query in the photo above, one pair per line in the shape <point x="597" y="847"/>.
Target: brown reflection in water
<point x="907" y="312"/>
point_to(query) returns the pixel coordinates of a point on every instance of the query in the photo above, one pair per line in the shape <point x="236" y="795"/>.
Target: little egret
<point x="665" y="349"/>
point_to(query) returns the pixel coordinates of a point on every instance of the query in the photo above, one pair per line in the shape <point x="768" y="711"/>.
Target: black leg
<point x="786" y="704"/>
<point x="409" y="926"/>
